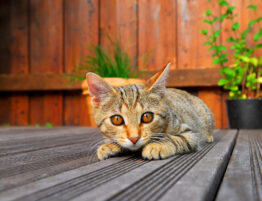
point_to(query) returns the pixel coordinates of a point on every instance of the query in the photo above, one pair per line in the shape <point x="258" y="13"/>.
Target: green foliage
<point x="243" y="77"/>
<point x="113" y="63"/>
<point x="253" y="7"/>
<point x="49" y="125"/>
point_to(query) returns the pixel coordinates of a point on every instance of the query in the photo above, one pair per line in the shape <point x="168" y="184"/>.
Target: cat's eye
<point x="117" y="120"/>
<point x="147" y="117"/>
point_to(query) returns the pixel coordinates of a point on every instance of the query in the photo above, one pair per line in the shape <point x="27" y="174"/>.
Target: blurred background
<point x="42" y="40"/>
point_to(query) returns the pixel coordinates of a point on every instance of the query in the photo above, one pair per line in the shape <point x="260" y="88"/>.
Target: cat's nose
<point x="134" y="139"/>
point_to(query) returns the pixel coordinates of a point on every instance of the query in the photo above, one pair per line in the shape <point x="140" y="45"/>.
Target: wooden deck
<point x="61" y="164"/>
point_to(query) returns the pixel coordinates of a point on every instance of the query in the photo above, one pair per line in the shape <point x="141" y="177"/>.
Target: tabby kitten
<point x="148" y="117"/>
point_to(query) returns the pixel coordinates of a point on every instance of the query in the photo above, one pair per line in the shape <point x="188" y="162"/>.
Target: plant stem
<point x="258" y="83"/>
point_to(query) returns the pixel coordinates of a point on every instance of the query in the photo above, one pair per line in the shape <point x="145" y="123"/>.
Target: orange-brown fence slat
<point x="157" y="32"/>
<point x="19" y="59"/>
<point x="190" y="50"/>
<point x="46" y="56"/>
<point x="212" y="97"/>
<point x="81" y="31"/>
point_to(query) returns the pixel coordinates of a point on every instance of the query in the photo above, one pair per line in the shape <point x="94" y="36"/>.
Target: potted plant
<point x="243" y="76"/>
<point x="114" y="66"/>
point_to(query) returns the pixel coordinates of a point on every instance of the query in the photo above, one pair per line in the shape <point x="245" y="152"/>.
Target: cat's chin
<point x="132" y="147"/>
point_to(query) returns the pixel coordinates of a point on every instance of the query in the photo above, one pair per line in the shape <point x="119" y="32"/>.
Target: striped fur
<point x="181" y="121"/>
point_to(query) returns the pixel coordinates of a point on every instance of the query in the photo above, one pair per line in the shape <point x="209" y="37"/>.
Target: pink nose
<point x="134" y="139"/>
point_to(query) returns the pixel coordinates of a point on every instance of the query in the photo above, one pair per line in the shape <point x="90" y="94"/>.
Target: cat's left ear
<point x="157" y="83"/>
<point x="98" y="88"/>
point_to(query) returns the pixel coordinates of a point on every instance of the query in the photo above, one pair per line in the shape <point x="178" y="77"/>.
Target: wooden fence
<point x="43" y="39"/>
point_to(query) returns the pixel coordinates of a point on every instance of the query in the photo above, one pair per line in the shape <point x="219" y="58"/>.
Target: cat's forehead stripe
<point x="129" y="95"/>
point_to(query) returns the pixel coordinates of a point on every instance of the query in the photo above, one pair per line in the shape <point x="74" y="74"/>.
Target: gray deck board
<point x="243" y="180"/>
<point x="202" y="181"/>
<point x="61" y="164"/>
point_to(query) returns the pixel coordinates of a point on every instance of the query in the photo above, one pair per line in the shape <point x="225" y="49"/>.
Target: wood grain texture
<point x="212" y="97"/>
<point x="19" y="63"/>
<point x="81" y="30"/>
<point x="190" y="49"/>
<point x="46" y="56"/>
<point x="5" y="98"/>
<point x="157" y="32"/>
<point x="50" y="82"/>
<point x="244" y="169"/>
<point x="118" y="21"/>
<point x="207" y="173"/>
<point x="14" y="55"/>
<point x="127" y="25"/>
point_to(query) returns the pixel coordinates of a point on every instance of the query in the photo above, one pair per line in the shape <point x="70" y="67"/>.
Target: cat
<point x="148" y="117"/>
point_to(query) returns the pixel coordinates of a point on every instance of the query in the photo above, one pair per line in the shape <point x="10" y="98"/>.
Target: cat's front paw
<point x="107" y="150"/>
<point x="156" y="150"/>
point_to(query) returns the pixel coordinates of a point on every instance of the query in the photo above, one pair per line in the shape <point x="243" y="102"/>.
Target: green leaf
<point x="207" y="43"/>
<point x="235" y="26"/>
<point x="222" y="17"/>
<point x="245" y="59"/>
<point x="49" y="125"/>
<point x="254" y="61"/>
<point x="217" y="33"/>
<point x="223" y="3"/>
<point x="204" y="31"/>
<point x="234" y="88"/>
<point x="207" y="21"/>
<point x="245" y="32"/>
<point x="258" y="35"/>
<point x="253" y="7"/>
<point x="258" y="46"/>
<point x="259" y="80"/>
<point x="230" y="9"/>
<point x="230" y="39"/>
<point x="221" y="48"/>
<point x="222" y="82"/>
<point x="216" y="61"/>
<point x="251" y="22"/>
<point x="208" y="12"/>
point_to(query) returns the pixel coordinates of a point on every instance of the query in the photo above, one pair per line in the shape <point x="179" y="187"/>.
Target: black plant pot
<point x="245" y="114"/>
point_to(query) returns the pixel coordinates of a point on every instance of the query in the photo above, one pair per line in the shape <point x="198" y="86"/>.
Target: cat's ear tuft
<point x="98" y="87"/>
<point x="157" y="83"/>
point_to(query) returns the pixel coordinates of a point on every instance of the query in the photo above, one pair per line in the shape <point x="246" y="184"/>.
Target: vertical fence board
<point x="81" y="30"/>
<point x="157" y="32"/>
<point x="5" y="9"/>
<point x="19" y="58"/>
<point x="213" y="101"/>
<point x="107" y="22"/>
<point x="190" y="14"/>
<point x="5" y="100"/>
<point x="46" y="54"/>
<point x="118" y="20"/>
<point x="127" y="24"/>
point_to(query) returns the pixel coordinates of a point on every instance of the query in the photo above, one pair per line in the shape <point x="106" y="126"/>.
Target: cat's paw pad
<point x="107" y="150"/>
<point x="156" y="151"/>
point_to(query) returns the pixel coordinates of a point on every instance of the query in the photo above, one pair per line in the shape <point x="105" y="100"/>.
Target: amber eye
<point x="117" y="120"/>
<point x="147" y="117"/>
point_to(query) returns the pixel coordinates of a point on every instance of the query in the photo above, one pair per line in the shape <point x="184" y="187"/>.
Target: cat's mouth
<point x="131" y="146"/>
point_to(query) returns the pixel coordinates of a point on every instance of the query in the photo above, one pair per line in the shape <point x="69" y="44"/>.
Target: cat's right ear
<point x="97" y="87"/>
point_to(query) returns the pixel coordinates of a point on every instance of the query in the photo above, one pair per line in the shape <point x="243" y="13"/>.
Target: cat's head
<point x="130" y="115"/>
